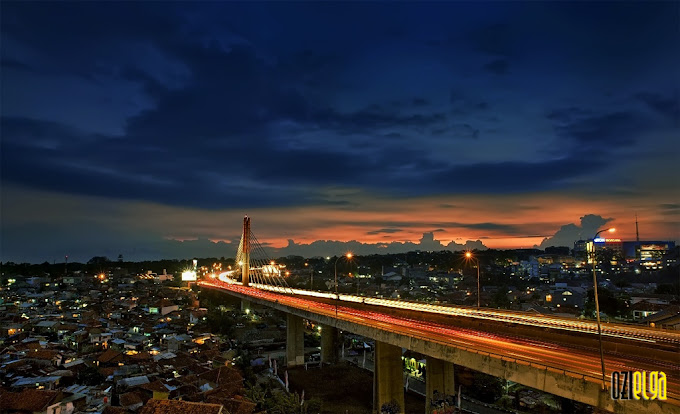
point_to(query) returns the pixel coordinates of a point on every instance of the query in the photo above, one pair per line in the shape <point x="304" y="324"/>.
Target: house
<point x="644" y="309"/>
<point x="30" y="401"/>
<point x="117" y="344"/>
<point x="177" y="342"/>
<point x="46" y="326"/>
<point x="133" y="381"/>
<point x="45" y="357"/>
<point x="102" y="338"/>
<point x="110" y="358"/>
<point x="157" y="389"/>
<point x="668" y="318"/>
<point x="51" y="382"/>
<point x="12" y="329"/>
<point x="131" y="400"/>
<point x="197" y="315"/>
<point x="569" y="296"/>
<point x="72" y="402"/>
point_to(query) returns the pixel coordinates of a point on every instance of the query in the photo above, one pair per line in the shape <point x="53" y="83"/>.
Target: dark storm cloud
<point x="670" y="209"/>
<point x="668" y="106"/>
<point x="600" y="132"/>
<point x="387" y="230"/>
<point x="499" y="66"/>
<point x="464" y="131"/>
<point x="372" y="118"/>
<point x="86" y="38"/>
<point x="222" y="105"/>
<point x="394" y="227"/>
<point x="221" y="123"/>
<point x="50" y="161"/>
<point x="462" y="104"/>
<point x="8" y="63"/>
<point x="505" y="177"/>
<point x="567" y="115"/>
<point x="29" y="133"/>
<point x="495" y="39"/>
<point x="507" y="228"/>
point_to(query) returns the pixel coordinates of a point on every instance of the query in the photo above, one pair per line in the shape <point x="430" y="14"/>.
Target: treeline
<point x="104" y="264"/>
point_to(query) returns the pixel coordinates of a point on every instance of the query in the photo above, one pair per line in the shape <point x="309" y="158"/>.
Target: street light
<point x="469" y="255"/>
<point x="597" y="306"/>
<point x="311" y="276"/>
<point x="349" y="257"/>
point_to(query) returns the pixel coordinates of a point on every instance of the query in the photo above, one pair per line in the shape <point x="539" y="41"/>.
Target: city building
<point x="649" y="254"/>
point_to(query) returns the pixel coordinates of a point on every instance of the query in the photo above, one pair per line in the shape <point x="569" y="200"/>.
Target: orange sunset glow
<point x="500" y="222"/>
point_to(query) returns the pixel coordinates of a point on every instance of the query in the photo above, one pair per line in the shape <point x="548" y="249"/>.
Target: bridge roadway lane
<point x="575" y="362"/>
<point x="642" y="334"/>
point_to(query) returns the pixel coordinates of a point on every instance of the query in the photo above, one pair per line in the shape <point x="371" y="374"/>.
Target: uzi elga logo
<point x="638" y="385"/>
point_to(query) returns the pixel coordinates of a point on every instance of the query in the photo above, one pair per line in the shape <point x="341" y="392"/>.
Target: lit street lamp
<point x="349" y="257"/>
<point x="311" y="276"/>
<point x="469" y="255"/>
<point x="597" y="305"/>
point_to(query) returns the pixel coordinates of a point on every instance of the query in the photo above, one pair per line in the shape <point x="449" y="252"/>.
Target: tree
<point x="486" y="388"/>
<point x="609" y="304"/>
<point x="89" y="376"/>
<point x="605" y="257"/>
<point x="561" y="250"/>
<point x="98" y="260"/>
<point x="500" y="298"/>
<point x="668" y="289"/>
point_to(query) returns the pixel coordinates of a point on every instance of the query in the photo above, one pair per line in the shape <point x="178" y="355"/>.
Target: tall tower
<point x="637" y="231"/>
<point x="245" y="266"/>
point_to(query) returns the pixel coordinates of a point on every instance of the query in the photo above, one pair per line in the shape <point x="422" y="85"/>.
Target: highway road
<point x="614" y="330"/>
<point x="577" y="362"/>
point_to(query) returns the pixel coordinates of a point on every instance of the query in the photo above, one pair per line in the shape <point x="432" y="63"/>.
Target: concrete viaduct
<point x="441" y="359"/>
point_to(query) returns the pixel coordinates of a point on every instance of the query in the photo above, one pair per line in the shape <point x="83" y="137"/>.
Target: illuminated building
<point x="601" y="244"/>
<point x="649" y="254"/>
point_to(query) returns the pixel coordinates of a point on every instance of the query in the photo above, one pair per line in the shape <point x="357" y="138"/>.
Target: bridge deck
<point x="583" y="364"/>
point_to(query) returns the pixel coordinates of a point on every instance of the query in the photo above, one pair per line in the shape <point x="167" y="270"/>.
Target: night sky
<point x="150" y="129"/>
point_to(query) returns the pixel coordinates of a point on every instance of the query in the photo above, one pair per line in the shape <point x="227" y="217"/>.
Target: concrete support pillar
<point x="330" y="341"/>
<point x="439" y="378"/>
<point x="388" y="378"/>
<point x="295" y="341"/>
<point x="245" y="304"/>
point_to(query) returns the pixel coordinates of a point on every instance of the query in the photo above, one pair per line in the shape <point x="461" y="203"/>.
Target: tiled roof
<point x="155" y="386"/>
<point x="238" y="406"/>
<point x="27" y="400"/>
<point x="130" y="398"/>
<point x="106" y="371"/>
<point x="141" y="356"/>
<point x="43" y="354"/>
<point x="179" y="407"/>
<point x="114" y="410"/>
<point x="222" y="375"/>
<point x="109" y="356"/>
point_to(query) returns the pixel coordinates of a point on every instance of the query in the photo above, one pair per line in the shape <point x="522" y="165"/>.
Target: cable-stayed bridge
<point x="552" y="354"/>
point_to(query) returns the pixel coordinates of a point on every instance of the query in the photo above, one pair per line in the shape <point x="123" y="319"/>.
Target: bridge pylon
<point x="245" y="266"/>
